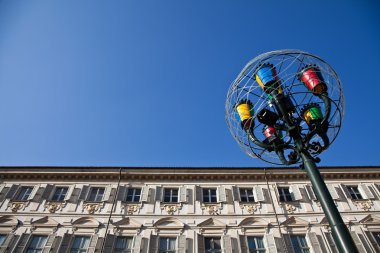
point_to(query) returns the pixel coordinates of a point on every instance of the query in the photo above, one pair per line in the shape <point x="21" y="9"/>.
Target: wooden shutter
<point x="34" y="191"/>
<point x="198" y="193"/>
<point x="65" y="244"/>
<point x="270" y="243"/>
<point x="69" y="192"/>
<point x="48" y="191"/>
<point x="331" y="243"/>
<point x="313" y="242"/>
<point x="235" y="193"/>
<point x="55" y="246"/>
<point x="345" y="191"/>
<point x="12" y="191"/>
<point x="153" y="247"/>
<point x="201" y="244"/>
<point x="3" y="191"/>
<point x="136" y="246"/>
<point x="99" y="244"/>
<point x="121" y="195"/>
<point x="333" y="192"/>
<point x="84" y="192"/>
<point x="145" y="194"/>
<point x="182" y="194"/>
<point x="108" y="244"/>
<point x="243" y="244"/>
<point x="226" y="244"/>
<point x="107" y="193"/>
<point x="92" y="245"/>
<point x="295" y="192"/>
<point x="221" y="194"/>
<point x="49" y="244"/>
<point x="22" y="243"/>
<point x="365" y="191"/>
<point x="258" y="193"/>
<point x="181" y="244"/>
<point x="358" y="242"/>
<point x="159" y="194"/>
<point x="6" y="243"/>
<point x="310" y="192"/>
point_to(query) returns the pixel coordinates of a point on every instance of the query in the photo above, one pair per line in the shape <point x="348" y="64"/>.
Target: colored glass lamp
<point x="312" y="114"/>
<point x="311" y="76"/>
<point x="245" y="111"/>
<point x="266" y="77"/>
<point x="270" y="134"/>
<point x="267" y="117"/>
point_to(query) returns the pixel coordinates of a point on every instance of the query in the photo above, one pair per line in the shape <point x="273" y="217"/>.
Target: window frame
<point x="3" y="238"/>
<point x="302" y="248"/>
<point x="168" y="239"/>
<point x="256" y="249"/>
<point x="25" y="196"/>
<point x="354" y="192"/>
<point x="171" y="195"/>
<point x="247" y="195"/>
<point x="123" y="250"/>
<point x="283" y="196"/>
<point x="80" y="250"/>
<point x="96" y="195"/>
<point x="212" y="249"/>
<point x="36" y="249"/>
<point x="209" y="195"/>
<point x="55" y="190"/>
<point x="133" y="195"/>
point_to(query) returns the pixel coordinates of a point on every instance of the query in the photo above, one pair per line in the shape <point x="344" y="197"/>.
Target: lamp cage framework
<point x="312" y="100"/>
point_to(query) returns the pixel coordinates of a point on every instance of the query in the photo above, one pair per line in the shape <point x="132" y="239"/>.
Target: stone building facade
<point x="182" y="210"/>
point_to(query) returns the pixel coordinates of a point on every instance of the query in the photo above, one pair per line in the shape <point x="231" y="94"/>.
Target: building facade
<point x="182" y="210"/>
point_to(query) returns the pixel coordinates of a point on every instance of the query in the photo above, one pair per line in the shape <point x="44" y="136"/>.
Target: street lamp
<point x="290" y="107"/>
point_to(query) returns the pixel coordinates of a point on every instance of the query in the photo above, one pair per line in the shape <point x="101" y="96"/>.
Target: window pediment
<point x="45" y="222"/>
<point x="9" y="221"/>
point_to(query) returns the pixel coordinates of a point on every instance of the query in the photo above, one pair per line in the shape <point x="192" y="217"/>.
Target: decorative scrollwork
<point x="171" y="208"/>
<point x="93" y="207"/>
<point x="15" y="206"/>
<point x="251" y="208"/>
<point x="53" y="207"/>
<point x="363" y="204"/>
<point x="212" y="209"/>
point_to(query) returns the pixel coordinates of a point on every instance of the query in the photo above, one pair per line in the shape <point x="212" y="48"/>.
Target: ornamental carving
<point x="212" y="209"/>
<point x="93" y="207"/>
<point x="15" y="206"/>
<point x="131" y="208"/>
<point x="171" y="208"/>
<point x="251" y="208"/>
<point x="290" y="208"/>
<point x="52" y="207"/>
<point x="363" y="204"/>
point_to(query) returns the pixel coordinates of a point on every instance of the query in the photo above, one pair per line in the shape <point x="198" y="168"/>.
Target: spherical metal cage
<point x="292" y="72"/>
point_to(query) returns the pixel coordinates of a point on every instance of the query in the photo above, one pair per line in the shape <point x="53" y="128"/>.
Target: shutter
<point x="243" y="244"/>
<point x="182" y="194"/>
<point x="221" y="194"/>
<point x="201" y="244"/>
<point x="12" y="191"/>
<point x="55" y="246"/>
<point x="92" y="245"/>
<point x="226" y="244"/>
<point x="7" y="241"/>
<point x="365" y="191"/>
<point x="288" y="243"/>
<point x="1" y="187"/>
<point x="310" y="192"/>
<point x="331" y="242"/>
<point x="108" y="245"/>
<point x="373" y="241"/>
<point x="84" y="192"/>
<point x="358" y="243"/>
<point x="270" y="243"/>
<point x="34" y="191"/>
<point x="99" y="244"/>
<point x="198" y="193"/>
<point x="136" y="247"/>
<point x="144" y="194"/>
<point x="333" y="192"/>
<point x="22" y="243"/>
<point x="346" y="192"/>
<point x="48" y="191"/>
<point x="235" y="193"/>
<point x="159" y="194"/>
<point x="258" y="193"/>
<point x="69" y="192"/>
<point x="65" y="244"/>
<point x="121" y="193"/>
<point x="153" y="244"/>
<point x="313" y="242"/>
<point x="295" y="192"/>
<point x="49" y="244"/>
<point x="181" y="244"/>
<point x="3" y="191"/>
<point x="107" y="193"/>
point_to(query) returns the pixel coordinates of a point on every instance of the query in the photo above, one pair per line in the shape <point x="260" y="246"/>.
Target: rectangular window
<point x="80" y="244"/>
<point x="24" y="193"/>
<point x="212" y="245"/>
<point x="96" y="194"/>
<point x="123" y="244"/>
<point x="256" y="244"/>
<point x="284" y="194"/>
<point x="133" y="194"/>
<point x="37" y="244"/>
<point x="167" y="245"/>
<point x="354" y="192"/>
<point x="209" y="195"/>
<point x="170" y="195"/>
<point x="299" y="244"/>
<point x="59" y="194"/>
<point x="376" y="235"/>
<point x="2" y="239"/>
<point x="246" y="195"/>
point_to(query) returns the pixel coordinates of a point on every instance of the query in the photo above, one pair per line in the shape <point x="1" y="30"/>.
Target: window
<point x="170" y="195"/>
<point x="96" y="194"/>
<point x="209" y="195"/>
<point x="246" y="195"/>
<point x="212" y="245"/>
<point x="167" y="245"/>
<point x="2" y="239"/>
<point x="123" y="244"/>
<point x="80" y="244"/>
<point x="133" y="194"/>
<point x="37" y="244"/>
<point x="299" y="244"/>
<point x="284" y="194"/>
<point x="256" y="244"/>
<point x="24" y="193"/>
<point x="354" y="192"/>
<point x="376" y="235"/>
<point x="59" y="194"/>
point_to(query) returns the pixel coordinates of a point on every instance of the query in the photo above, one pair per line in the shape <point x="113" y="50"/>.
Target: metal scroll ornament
<point x="282" y="94"/>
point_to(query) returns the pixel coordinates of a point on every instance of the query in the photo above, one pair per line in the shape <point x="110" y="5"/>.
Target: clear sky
<point x="144" y="83"/>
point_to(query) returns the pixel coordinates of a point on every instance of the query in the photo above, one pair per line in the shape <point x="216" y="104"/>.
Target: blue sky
<point x="143" y="83"/>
